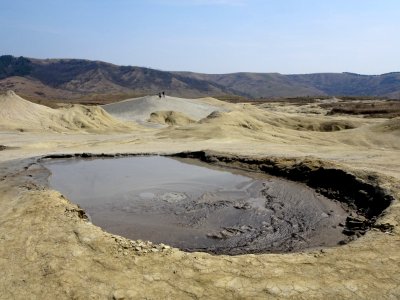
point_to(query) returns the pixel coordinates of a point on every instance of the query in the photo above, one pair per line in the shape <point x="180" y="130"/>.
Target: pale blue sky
<point x="210" y="36"/>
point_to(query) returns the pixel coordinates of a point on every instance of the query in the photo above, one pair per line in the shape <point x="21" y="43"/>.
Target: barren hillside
<point x="101" y="82"/>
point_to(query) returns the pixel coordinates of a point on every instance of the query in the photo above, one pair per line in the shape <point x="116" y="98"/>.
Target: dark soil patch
<point x="377" y="109"/>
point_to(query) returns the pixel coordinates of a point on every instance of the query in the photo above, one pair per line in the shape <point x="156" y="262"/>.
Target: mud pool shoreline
<point x="354" y="221"/>
<point x="260" y="215"/>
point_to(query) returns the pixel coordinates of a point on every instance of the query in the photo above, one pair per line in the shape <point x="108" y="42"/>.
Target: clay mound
<point x="325" y="126"/>
<point x="16" y="109"/>
<point x="91" y="118"/>
<point x="215" y="114"/>
<point x="140" y="109"/>
<point x="308" y="122"/>
<point x="170" y="118"/>
<point x="19" y="114"/>
<point x="250" y="122"/>
<point x="255" y="118"/>
<point x="335" y="126"/>
<point x="229" y="126"/>
<point x="389" y="126"/>
<point x="233" y="119"/>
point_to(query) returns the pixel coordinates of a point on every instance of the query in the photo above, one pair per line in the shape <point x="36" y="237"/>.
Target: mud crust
<point x="360" y="193"/>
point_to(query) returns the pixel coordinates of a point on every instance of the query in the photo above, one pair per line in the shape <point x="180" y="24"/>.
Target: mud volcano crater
<point x="218" y="203"/>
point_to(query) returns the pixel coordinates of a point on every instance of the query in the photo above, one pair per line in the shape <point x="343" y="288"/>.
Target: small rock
<point x="348" y="232"/>
<point x="165" y="247"/>
<point x="215" y="235"/>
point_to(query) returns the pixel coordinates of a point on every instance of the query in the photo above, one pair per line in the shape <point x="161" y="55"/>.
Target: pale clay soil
<point x="48" y="251"/>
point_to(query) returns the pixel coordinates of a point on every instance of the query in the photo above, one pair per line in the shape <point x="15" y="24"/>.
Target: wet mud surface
<point x="185" y="204"/>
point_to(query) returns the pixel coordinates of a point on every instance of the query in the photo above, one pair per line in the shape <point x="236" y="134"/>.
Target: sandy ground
<point x="49" y="251"/>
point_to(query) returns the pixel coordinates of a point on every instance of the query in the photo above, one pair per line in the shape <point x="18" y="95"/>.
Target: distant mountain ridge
<point x="268" y="85"/>
<point x="77" y="78"/>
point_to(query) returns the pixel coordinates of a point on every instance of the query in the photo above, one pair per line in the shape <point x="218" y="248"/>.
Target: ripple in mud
<point x="196" y="208"/>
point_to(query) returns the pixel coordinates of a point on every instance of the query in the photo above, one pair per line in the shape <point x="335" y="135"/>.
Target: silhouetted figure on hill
<point x="163" y="94"/>
<point x="159" y="95"/>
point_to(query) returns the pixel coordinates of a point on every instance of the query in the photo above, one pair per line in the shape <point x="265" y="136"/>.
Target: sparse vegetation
<point x="100" y="82"/>
<point x="385" y="109"/>
<point x="233" y="98"/>
<point x="13" y="66"/>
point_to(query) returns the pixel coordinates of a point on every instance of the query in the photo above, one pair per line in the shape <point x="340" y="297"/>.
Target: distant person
<point x="163" y="94"/>
<point x="159" y="95"/>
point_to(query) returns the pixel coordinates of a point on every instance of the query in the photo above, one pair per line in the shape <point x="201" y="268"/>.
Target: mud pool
<point x="197" y="208"/>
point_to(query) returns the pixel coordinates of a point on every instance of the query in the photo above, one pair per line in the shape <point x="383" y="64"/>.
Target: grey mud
<point x="210" y="203"/>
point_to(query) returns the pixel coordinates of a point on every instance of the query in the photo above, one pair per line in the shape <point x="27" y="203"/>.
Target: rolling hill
<point x="96" y="81"/>
<point x="258" y="85"/>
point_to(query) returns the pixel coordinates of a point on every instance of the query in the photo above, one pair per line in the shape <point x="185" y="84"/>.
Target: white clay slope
<point x="140" y="109"/>
<point x="19" y="114"/>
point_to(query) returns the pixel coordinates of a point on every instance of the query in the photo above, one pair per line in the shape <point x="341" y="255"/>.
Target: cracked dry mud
<point x="50" y="250"/>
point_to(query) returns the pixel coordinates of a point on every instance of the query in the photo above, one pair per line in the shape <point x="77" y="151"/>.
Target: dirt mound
<point x="326" y="126"/>
<point x="170" y="118"/>
<point x="233" y="118"/>
<point x="17" y="113"/>
<point x="249" y="122"/>
<point x="306" y="121"/>
<point x="257" y="120"/>
<point x="390" y="126"/>
<point x="140" y="109"/>
<point x="223" y="125"/>
<point x="215" y="114"/>
<point x="91" y="118"/>
<point x="336" y="125"/>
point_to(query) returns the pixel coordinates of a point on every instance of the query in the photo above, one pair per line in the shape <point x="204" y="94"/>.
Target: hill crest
<point x="69" y="79"/>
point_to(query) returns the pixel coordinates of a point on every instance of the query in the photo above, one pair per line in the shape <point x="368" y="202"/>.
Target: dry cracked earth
<point x="49" y="249"/>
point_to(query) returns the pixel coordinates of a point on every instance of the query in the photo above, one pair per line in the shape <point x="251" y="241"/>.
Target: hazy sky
<point x="210" y="36"/>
